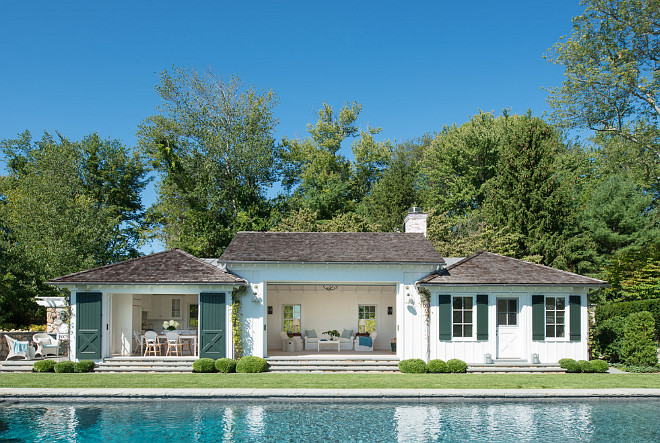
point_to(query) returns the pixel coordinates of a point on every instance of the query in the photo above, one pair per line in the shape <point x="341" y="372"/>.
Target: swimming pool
<point x="179" y="420"/>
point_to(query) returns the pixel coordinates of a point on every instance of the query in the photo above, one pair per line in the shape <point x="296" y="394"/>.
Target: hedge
<point x="251" y="364"/>
<point x="638" y="347"/>
<point x="225" y="365"/>
<point x="84" y="366"/>
<point x="413" y="366"/>
<point x="583" y="366"/>
<point x="43" y="366"/>
<point x="64" y="367"/>
<point x="438" y="366"/>
<point x="457" y="366"/>
<point x="623" y="309"/>
<point x="204" y="365"/>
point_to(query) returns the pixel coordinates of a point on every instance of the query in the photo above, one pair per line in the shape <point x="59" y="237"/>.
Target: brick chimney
<point x="415" y="221"/>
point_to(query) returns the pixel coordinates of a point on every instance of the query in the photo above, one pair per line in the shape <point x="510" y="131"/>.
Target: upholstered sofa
<point x="311" y="342"/>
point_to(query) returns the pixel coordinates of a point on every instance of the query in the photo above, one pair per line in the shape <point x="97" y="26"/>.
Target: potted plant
<point x="393" y="344"/>
<point x="333" y="334"/>
<point x="170" y="325"/>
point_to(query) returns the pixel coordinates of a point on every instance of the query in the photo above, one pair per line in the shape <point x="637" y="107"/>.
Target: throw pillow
<point x="347" y="333"/>
<point x="310" y="333"/>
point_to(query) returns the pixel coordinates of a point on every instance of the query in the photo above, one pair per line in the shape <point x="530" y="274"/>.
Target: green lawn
<point x="332" y="381"/>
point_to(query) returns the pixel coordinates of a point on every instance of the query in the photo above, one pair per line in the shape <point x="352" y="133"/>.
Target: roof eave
<point x="595" y="285"/>
<point x="279" y="262"/>
<point x="60" y="283"/>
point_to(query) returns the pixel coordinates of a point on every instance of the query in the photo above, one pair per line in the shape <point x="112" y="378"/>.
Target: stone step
<point x="146" y="363"/>
<point x="167" y="369"/>
<point x="325" y="357"/>
<point x="514" y="369"/>
<point x="331" y="363"/>
<point x="328" y="368"/>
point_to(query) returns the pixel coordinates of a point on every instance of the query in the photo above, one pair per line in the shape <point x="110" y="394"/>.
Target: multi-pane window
<point x="462" y="316"/>
<point x="366" y="318"/>
<point x="176" y="308"/>
<point x="193" y="311"/>
<point x="555" y="317"/>
<point x="507" y="312"/>
<point x="291" y="318"/>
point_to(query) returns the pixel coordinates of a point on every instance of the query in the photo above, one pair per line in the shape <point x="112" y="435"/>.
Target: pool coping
<point x="95" y="394"/>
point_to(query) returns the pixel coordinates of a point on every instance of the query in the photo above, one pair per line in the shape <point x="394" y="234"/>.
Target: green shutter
<point x="538" y="317"/>
<point x="212" y="315"/>
<point x="444" y="317"/>
<point x="88" y="326"/>
<point x="574" y="306"/>
<point x="482" y="317"/>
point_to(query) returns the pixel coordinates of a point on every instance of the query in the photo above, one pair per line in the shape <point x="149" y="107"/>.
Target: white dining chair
<point x="139" y="342"/>
<point x="151" y="343"/>
<point x="173" y="343"/>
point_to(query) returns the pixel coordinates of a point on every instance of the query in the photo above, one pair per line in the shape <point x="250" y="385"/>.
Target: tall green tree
<point x="72" y="205"/>
<point x="212" y="145"/>
<point x="397" y="189"/>
<point x="530" y="195"/>
<point x="612" y="72"/>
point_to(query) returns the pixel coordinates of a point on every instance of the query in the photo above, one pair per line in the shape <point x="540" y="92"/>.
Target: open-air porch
<point x="301" y="316"/>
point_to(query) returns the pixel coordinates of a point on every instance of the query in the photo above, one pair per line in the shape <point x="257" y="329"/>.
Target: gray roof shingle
<point x="173" y="266"/>
<point x="331" y="247"/>
<point x="488" y="268"/>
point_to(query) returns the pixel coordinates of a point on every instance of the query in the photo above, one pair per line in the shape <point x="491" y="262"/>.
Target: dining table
<point x="190" y="336"/>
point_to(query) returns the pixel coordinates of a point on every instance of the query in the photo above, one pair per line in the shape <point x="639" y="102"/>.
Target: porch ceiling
<point x="320" y="290"/>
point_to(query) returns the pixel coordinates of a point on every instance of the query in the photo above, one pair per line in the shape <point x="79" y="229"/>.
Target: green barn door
<point x="88" y="326"/>
<point x="212" y="316"/>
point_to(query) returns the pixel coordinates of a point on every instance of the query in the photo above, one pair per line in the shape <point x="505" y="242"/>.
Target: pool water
<point x="168" y="421"/>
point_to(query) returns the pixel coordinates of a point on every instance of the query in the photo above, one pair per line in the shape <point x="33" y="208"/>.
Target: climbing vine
<point x="236" y="324"/>
<point x="425" y="296"/>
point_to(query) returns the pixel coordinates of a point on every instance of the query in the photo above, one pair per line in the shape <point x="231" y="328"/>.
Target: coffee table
<point x="325" y="342"/>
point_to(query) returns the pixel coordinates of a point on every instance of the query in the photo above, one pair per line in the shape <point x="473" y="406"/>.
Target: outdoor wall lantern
<point x="389" y="310"/>
<point x="270" y="310"/>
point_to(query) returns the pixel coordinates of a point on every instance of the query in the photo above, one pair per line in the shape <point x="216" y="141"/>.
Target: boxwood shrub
<point x="204" y="365"/>
<point x="64" y="367"/>
<point x="251" y="364"/>
<point x="43" y="366"/>
<point x="599" y="365"/>
<point x="585" y="366"/>
<point x="457" y="366"/>
<point x="623" y="309"/>
<point x="413" y="366"/>
<point x="438" y="366"/>
<point x="84" y="366"/>
<point x="225" y="365"/>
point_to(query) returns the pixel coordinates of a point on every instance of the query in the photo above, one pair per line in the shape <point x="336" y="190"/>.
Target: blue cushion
<point x="311" y="333"/>
<point x="347" y="333"/>
<point x="365" y="341"/>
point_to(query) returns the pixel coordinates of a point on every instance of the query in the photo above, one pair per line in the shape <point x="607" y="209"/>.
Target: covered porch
<point x="297" y="311"/>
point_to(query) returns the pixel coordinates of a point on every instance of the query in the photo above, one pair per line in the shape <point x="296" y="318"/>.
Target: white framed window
<point x="462" y="317"/>
<point x="176" y="308"/>
<point x="555" y="317"/>
<point x="291" y="318"/>
<point x="507" y="312"/>
<point x="366" y="318"/>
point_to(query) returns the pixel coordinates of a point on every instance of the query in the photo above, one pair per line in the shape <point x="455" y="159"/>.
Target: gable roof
<point x="331" y="247"/>
<point x="488" y="268"/>
<point x="173" y="266"/>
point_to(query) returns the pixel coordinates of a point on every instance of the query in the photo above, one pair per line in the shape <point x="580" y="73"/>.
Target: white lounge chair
<point x="311" y="343"/>
<point x="19" y="349"/>
<point x="359" y="347"/>
<point x="46" y="345"/>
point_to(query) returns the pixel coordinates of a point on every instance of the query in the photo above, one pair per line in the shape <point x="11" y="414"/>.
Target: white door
<point x="509" y="340"/>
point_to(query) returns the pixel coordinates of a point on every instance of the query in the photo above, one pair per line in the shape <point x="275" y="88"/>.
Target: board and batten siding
<point x="474" y="350"/>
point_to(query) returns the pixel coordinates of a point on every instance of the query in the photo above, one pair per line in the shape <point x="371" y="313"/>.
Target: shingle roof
<point x="331" y="247"/>
<point x="173" y="266"/>
<point x="488" y="268"/>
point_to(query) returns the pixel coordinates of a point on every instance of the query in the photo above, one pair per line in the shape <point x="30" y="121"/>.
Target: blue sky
<point x="79" y="67"/>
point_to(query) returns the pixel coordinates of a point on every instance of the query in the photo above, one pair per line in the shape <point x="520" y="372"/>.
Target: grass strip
<point x="331" y="381"/>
